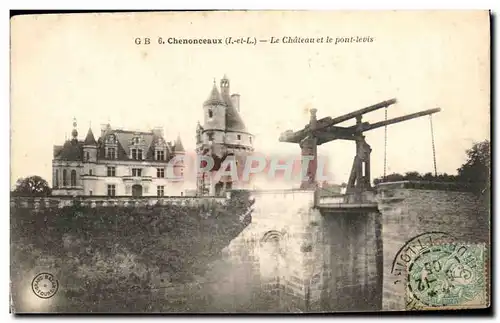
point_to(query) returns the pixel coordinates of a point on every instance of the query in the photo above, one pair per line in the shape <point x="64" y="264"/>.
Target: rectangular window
<point x="111" y="190"/>
<point x="111" y="171"/>
<point x="160" y="172"/>
<point x="90" y="192"/>
<point x="136" y="172"/>
<point x="160" y="155"/>
<point x="137" y="154"/>
<point x="160" y="190"/>
<point x="90" y="171"/>
<point x="239" y="137"/>
<point x="111" y="153"/>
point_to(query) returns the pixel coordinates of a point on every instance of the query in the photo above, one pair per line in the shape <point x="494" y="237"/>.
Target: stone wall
<point x="300" y="259"/>
<point x="293" y="257"/>
<point x="105" y="201"/>
<point x="407" y="213"/>
<point x="352" y="259"/>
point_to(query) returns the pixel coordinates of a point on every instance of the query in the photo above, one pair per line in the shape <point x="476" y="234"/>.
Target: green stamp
<point x="447" y="275"/>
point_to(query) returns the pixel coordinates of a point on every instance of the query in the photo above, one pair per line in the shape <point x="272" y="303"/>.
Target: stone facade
<point x="223" y="136"/>
<point x="119" y="163"/>
<point x="309" y="260"/>
<point x="408" y="213"/>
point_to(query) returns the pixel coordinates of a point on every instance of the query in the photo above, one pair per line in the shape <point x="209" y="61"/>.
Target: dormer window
<point x="111" y="153"/>
<point x="137" y="154"/>
<point x="160" y="149"/>
<point x="111" y="139"/>
<point x="137" y="146"/>
<point x="111" y="147"/>
<point x="160" y="155"/>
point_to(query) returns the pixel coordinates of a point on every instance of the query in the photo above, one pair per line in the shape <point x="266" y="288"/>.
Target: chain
<point x="385" y="146"/>
<point x="433" y="146"/>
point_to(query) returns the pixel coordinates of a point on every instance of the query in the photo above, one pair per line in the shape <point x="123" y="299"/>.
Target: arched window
<point x="56" y="179"/>
<point x="73" y="177"/>
<point x="65" y="178"/>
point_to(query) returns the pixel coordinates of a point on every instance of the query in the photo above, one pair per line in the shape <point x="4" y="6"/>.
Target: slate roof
<point x="125" y="138"/>
<point x="233" y="119"/>
<point x="178" y="147"/>
<point x="214" y="98"/>
<point x="72" y="150"/>
<point x="234" y="122"/>
<point x="90" y="140"/>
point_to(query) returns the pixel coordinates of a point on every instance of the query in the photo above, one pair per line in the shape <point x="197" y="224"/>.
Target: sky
<point x="89" y="67"/>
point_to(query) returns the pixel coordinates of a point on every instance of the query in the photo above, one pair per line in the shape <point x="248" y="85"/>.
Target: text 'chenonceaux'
<point x="253" y="40"/>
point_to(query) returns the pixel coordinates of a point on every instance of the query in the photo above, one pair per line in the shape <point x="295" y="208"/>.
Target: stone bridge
<point x="317" y="255"/>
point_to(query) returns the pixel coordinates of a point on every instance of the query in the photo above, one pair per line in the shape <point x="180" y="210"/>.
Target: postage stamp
<point x="449" y="275"/>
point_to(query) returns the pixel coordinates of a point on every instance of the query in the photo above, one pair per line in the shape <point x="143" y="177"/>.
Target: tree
<point x="476" y="170"/>
<point x="32" y="186"/>
<point x="412" y="176"/>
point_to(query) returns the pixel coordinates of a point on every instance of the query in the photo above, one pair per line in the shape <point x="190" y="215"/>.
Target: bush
<point x="110" y="251"/>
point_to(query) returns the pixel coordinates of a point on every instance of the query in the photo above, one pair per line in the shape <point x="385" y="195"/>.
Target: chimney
<point x="158" y="131"/>
<point x="105" y="128"/>
<point x="235" y="100"/>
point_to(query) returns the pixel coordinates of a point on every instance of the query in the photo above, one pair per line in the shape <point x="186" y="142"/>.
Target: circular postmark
<point x="414" y="247"/>
<point x="446" y="274"/>
<point x="44" y="285"/>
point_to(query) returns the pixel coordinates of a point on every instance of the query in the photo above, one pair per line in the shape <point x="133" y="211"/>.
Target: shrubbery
<point x="113" y="252"/>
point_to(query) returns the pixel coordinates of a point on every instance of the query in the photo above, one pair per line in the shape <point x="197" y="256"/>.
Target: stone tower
<point x="222" y="135"/>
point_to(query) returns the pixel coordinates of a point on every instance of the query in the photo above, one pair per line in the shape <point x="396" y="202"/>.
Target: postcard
<point x="250" y="162"/>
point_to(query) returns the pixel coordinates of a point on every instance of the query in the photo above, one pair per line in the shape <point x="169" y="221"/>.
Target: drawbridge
<point x="359" y="194"/>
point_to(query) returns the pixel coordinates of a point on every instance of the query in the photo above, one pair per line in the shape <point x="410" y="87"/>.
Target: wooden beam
<point x="367" y="127"/>
<point x="327" y="122"/>
<point x="355" y="114"/>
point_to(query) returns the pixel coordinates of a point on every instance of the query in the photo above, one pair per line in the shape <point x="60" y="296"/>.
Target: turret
<point x="215" y="111"/>
<point x="90" y="147"/>
<point x="178" y="146"/>
<point x="178" y="151"/>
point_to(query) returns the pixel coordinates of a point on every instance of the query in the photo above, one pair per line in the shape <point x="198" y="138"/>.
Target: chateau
<point x="223" y="135"/>
<point x="137" y="163"/>
<point x="119" y="163"/>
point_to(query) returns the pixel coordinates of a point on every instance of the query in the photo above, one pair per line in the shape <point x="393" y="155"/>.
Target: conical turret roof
<point x="234" y="122"/>
<point x="90" y="139"/>
<point x="178" y="147"/>
<point x="215" y="97"/>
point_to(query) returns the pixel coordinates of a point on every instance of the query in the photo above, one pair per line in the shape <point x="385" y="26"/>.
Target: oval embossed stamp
<point x="44" y="285"/>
